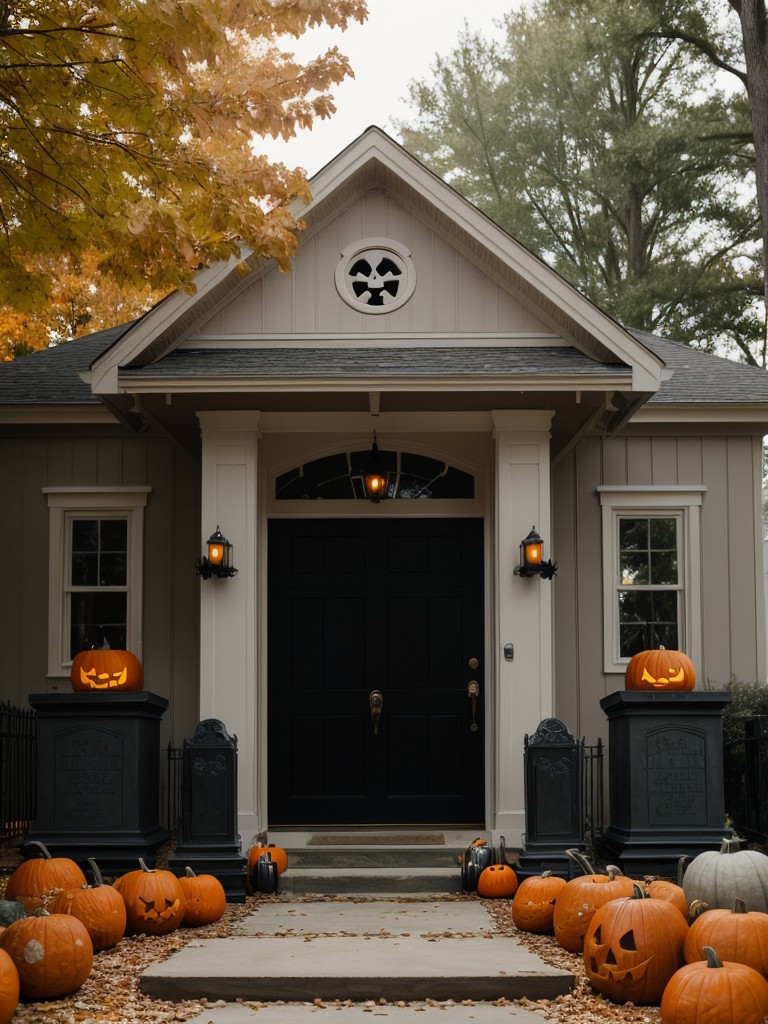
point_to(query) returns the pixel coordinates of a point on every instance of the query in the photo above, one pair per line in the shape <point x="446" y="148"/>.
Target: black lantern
<point x="217" y="561"/>
<point x="375" y="477"/>
<point x="531" y="558"/>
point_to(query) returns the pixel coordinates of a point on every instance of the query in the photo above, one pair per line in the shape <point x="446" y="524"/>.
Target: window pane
<point x="97" y="620"/>
<point x="634" y="568"/>
<point x="635" y="606"/>
<point x="85" y="534"/>
<point x="112" y="571"/>
<point x="85" y="570"/>
<point x="114" y="535"/>
<point x="664" y="534"/>
<point x="664" y="567"/>
<point x="633" y="534"/>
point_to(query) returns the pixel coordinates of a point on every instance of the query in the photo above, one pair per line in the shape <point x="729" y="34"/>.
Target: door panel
<point x="374" y="604"/>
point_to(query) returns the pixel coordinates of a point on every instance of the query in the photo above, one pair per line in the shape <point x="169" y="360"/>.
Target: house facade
<point x="380" y="661"/>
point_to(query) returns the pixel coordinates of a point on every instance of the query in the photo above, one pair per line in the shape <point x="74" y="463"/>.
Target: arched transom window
<point x="341" y="476"/>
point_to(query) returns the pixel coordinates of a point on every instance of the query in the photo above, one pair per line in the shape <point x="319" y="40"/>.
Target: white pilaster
<point x="228" y="607"/>
<point x="522" y="608"/>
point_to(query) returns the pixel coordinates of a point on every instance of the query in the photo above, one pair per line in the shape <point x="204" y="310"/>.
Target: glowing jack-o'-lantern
<point x="660" y="670"/>
<point x="107" y="670"/>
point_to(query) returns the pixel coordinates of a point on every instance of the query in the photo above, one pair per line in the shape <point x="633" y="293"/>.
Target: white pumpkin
<point x="720" y="877"/>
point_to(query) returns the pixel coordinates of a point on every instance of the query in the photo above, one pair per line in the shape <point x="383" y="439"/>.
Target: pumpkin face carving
<point x="107" y="670"/>
<point x="632" y="948"/>
<point x="154" y="900"/>
<point x="660" y="670"/>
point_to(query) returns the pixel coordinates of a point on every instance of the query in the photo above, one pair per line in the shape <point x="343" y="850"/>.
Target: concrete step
<point x="375" y="864"/>
<point x="407" y="949"/>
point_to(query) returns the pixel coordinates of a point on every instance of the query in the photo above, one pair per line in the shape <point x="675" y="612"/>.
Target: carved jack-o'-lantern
<point x="632" y="948"/>
<point x="107" y="670"/>
<point x="154" y="900"/>
<point x="660" y="670"/>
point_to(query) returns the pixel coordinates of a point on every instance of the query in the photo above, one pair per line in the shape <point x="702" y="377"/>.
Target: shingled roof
<point x="52" y="375"/>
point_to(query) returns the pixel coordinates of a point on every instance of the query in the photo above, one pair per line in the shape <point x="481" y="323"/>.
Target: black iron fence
<point x="593" y="788"/>
<point x="18" y="759"/>
<point x="746" y="780"/>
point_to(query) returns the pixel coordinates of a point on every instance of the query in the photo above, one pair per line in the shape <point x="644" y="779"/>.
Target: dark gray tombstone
<point x="665" y="772"/>
<point x="554" y="806"/>
<point x="98" y="777"/>
<point x="209" y="842"/>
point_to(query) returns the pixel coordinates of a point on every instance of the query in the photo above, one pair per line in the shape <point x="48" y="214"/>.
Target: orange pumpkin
<point x="661" y="889"/>
<point x="277" y="853"/>
<point x="632" y="948"/>
<point x="497" y="881"/>
<point x="100" y="907"/>
<point x="53" y="954"/>
<point x="534" y="904"/>
<point x="578" y="901"/>
<point x="660" y="670"/>
<point x="738" y="935"/>
<point x="40" y="877"/>
<point x="712" y="991"/>
<point x="205" y="896"/>
<point x="106" y="671"/>
<point x="154" y="900"/>
<point x="9" y="986"/>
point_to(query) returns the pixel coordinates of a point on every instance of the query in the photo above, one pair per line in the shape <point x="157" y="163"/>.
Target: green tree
<point x="128" y="127"/>
<point x="614" y="155"/>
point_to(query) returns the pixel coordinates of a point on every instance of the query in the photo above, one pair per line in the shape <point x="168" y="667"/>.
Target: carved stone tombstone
<point x="554" y="813"/>
<point x="209" y="842"/>
<point x="665" y="771"/>
<point x="98" y="777"/>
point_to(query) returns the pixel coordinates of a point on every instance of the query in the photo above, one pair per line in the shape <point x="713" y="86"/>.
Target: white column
<point x="228" y="607"/>
<point x="523" y="608"/>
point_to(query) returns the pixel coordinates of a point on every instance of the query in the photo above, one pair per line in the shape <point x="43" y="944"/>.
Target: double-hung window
<point x="651" y="571"/>
<point x="95" y="571"/>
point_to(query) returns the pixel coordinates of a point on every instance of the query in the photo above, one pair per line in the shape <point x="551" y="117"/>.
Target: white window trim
<point x="93" y="502"/>
<point x="682" y="501"/>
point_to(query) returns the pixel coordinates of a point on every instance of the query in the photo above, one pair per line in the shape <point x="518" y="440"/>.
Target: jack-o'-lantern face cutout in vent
<point x="375" y="275"/>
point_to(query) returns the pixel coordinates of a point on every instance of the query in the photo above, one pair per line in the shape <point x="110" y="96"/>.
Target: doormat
<point x="382" y="839"/>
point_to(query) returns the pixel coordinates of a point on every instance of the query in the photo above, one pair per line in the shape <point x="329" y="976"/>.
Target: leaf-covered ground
<point x="111" y="992"/>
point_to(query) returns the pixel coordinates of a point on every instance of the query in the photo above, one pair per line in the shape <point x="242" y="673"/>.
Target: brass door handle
<point x="375" y="702"/>
<point x="473" y="692"/>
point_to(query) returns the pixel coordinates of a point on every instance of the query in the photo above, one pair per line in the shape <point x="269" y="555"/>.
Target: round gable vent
<point x="375" y="275"/>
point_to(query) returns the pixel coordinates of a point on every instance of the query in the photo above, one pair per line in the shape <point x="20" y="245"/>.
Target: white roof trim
<point x="374" y="144"/>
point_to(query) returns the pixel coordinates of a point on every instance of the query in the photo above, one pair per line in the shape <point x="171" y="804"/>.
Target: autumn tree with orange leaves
<point x="131" y="129"/>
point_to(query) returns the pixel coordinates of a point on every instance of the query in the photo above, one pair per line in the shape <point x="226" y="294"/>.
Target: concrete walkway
<point x="300" y="951"/>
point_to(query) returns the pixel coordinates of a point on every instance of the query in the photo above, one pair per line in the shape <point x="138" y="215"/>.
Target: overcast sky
<point x="397" y="43"/>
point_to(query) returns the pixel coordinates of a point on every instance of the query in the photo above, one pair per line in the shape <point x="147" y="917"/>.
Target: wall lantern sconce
<point x="217" y="562"/>
<point x="375" y="476"/>
<point x="531" y="558"/>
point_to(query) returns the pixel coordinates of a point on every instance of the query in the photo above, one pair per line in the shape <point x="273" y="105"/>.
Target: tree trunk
<point x="754" y="31"/>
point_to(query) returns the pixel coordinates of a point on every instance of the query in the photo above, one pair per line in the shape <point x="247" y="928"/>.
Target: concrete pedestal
<point x="98" y="777"/>
<point x="665" y="772"/>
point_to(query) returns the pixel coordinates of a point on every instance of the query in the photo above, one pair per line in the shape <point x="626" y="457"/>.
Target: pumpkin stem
<point x="731" y="844"/>
<point x="739" y="906"/>
<point x="41" y="912"/>
<point x="502" y="851"/>
<point x="637" y="892"/>
<point x="712" y="958"/>
<point x="545" y="874"/>
<point x="144" y="867"/>
<point x="578" y="857"/>
<point x="612" y="871"/>
<point x="41" y="847"/>
<point x="681" y="862"/>
<point x="189" y="872"/>
<point x="697" y="908"/>
<point x="97" y="879"/>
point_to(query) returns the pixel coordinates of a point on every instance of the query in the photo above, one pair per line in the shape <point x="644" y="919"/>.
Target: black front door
<point x="375" y="649"/>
